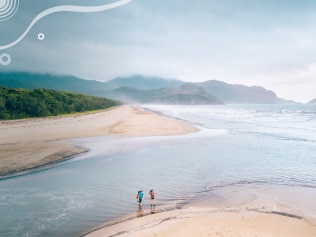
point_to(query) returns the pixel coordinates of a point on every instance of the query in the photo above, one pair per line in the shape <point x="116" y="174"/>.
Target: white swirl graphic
<point x="65" y="8"/>
<point x="8" y="8"/>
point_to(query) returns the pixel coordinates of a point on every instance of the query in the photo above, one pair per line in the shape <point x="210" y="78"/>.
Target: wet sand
<point x="29" y="143"/>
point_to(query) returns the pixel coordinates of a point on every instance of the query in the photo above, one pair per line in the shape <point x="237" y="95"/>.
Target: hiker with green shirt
<point x="140" y="196"/>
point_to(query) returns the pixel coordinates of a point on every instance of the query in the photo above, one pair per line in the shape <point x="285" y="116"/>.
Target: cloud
<point x="237" y="41"/>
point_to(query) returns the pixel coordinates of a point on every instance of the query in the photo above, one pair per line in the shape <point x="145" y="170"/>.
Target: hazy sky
<point x="270" y="43"/>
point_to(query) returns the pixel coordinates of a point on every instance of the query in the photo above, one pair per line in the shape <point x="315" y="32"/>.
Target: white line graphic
<point x="66" y="8"/>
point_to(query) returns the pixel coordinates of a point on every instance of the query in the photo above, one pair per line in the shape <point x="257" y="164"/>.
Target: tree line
<point x="23" y="103"/>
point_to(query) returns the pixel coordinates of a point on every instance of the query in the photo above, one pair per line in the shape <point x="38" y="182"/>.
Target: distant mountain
<point x="312" y="101"/>
<point x="142" y="82"/>
<point x="141" y="89"/>
<point x="70" y="83"/>
<point x="48" y="81"/>
<point x="185" y="94"/>
<point x="135" y="89"/>
<point x="240" y="94"/>
<point x="227" y="93"/>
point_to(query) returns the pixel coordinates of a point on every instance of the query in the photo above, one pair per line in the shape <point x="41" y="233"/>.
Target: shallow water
<point x="238" y="146"/>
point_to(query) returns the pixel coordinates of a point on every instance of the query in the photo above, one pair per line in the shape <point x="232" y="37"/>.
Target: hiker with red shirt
<point x="152" y="197"/>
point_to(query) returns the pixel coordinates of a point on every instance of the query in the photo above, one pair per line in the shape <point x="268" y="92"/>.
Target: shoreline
<point x="56" y="156"/>
<point x="235" y="216"/>
<point x="29" y="144"/>
<point x="207" y="222"/>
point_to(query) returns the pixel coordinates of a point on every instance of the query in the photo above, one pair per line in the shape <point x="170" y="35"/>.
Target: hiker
<point x="140" y="196"/>
<point x="152" y="197"/>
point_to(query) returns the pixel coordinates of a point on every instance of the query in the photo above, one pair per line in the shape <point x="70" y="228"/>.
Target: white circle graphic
<point x="8" y="8"/>
<point x="3" y="3"/>
<point x="41" y="36"/>
<point x="5" y="59"/>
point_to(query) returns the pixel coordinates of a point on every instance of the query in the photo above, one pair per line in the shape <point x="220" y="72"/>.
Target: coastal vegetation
<point x="23" y="103"/>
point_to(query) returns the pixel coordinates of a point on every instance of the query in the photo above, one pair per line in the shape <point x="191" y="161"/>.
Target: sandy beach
<point x="205" y="222"/>
<point x="30" y="143"/>
<point x="245" y="213"/>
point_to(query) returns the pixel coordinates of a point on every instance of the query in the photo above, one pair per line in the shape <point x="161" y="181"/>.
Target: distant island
<point x="24" y="103"/>
<point x="144" y="89"/>
<point x="312" y="101"/>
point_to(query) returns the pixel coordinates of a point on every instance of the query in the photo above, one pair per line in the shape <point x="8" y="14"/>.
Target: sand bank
<point x="203" y="222"/>
<point x="29" y="143"/>
<point x="241" y="212"/>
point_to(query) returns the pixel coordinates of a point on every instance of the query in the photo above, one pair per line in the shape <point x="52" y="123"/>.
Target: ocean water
<point x="237" y="146"/>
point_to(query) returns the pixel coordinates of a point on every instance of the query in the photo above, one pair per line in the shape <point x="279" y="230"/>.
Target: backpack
<point x="152" y="194"/>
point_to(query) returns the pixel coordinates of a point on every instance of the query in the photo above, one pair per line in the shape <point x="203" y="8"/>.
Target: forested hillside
<point x="23" y="103"/>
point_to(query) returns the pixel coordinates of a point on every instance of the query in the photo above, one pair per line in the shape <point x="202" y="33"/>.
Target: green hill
<point x="48" y="81"/>
<point x="143" y="82"/>
<point x="187" y="94"/>
<point x="23" y="103"/>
